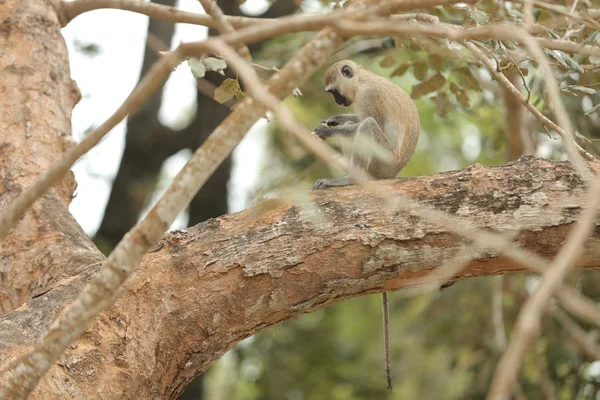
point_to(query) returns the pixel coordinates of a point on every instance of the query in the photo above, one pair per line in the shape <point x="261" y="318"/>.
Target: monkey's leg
<point x="368" y="129"/>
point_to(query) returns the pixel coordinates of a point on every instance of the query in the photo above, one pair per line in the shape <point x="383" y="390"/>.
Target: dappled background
<point x="444" y="344"/>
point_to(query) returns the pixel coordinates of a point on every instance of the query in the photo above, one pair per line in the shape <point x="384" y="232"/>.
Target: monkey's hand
<point x="323" y="131"/>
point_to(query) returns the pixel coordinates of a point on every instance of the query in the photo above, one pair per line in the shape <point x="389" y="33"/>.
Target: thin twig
<point x="223" y="25"/>
<point x="545" y="382"/>
<point x="497" y="313"/>
<point x="582" y="339"/>
<point x="559" y="108"/>
<point x="298" y="23"/>
<point x="562" y="11"/>
<point x="501" y="31"/>
<point x="72" y="9"/>
<point x="581" y="307"/>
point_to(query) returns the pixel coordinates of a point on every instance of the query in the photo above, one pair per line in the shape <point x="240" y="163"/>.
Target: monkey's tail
<point x="386" y="340"/>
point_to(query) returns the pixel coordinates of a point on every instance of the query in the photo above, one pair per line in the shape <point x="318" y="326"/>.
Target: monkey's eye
<point x="347" y="71"/>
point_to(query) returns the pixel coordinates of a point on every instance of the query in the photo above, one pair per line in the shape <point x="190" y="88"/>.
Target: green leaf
<point x="402" y="68"/>
<point x="442" y="105"/>
<point x="480" y="17"/>
<point x="564" y="60"/>
<point x="554" y="35"/>
<point x="436" y="61"/>
<point x="420" y="69"/>
<point x="593" y="109"/>
<point x="197" y="67"/>
<point x="427" y="86"/>
<point x="214" y="64"/>
<point x="579" y="89"/>
<point x="593" y="38"/>
<point x="227" y="90"/>
<point x="573" y="64"/>
<point x="460" y="94"/>
<point x="387" y="62"/>
<point x="467" y="79"/>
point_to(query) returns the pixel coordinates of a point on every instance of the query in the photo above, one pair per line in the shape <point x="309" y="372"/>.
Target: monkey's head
<point x="341" y="81"/>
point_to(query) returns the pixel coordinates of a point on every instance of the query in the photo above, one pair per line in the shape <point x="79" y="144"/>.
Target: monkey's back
<point x="393" y="109"/>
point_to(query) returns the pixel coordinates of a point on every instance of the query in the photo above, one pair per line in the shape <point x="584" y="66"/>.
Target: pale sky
<point x="107" y="79"/>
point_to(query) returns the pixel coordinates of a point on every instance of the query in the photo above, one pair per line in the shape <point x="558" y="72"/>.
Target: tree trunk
<point x="37" y="96"/>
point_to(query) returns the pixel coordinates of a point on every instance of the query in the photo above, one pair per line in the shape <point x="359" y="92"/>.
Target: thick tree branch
<point x="159" y="336"/>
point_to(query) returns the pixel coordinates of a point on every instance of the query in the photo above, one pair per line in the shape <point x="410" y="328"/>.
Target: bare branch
<point x="578" y="305"/>
<point x="298" y="23"/>
<point x="582" y="339"/>
<point x="497" y="313"/>
<point x="559" y="108"/>
<point x="545" y="381"/>
<point x="562" y="11"/>
<point x="223" y="25"/>
<point x="502" y="31"/>
<point x="72" y="9"/>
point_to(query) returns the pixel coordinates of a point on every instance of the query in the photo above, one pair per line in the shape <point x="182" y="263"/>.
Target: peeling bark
<point x="203" y="289"/>
<point x="36" y="99"/>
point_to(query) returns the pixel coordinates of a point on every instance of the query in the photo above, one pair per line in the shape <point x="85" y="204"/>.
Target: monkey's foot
<point x="325" y="183"/>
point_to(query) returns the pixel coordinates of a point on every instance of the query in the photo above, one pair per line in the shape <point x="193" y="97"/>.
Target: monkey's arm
<point x="347" y="129"/>
<point x="341" y="119"/>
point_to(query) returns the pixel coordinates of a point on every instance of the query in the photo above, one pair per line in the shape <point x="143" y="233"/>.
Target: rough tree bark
<point x="36" y="99"/>
<point x="203" y="289"/>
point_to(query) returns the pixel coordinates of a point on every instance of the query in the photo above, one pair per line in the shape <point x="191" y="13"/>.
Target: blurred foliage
<point x="444" y="344"/>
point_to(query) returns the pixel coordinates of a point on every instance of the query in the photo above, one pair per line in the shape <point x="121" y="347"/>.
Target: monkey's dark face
<point x="341" y="100"/>
<point x="341" y="81"/>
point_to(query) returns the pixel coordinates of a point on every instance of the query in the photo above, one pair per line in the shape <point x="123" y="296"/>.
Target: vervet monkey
<point x="385" y="114"/>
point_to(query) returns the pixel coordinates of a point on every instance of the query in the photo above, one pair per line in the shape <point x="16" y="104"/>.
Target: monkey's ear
<point x="347" y="71"/>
